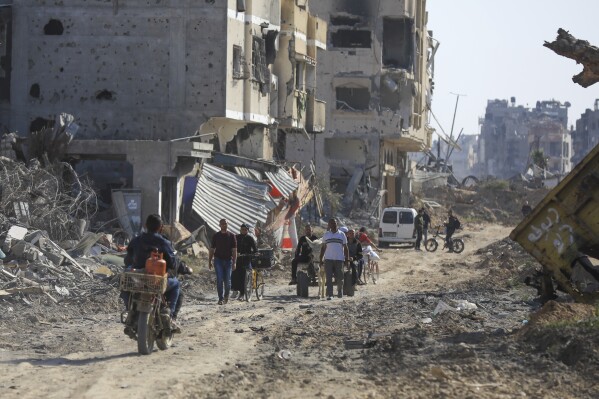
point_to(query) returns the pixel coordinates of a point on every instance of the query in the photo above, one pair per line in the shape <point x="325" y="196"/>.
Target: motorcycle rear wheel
<point x="145" y="333"/>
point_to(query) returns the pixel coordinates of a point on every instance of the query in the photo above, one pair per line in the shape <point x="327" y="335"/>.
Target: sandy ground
<point x="375" y="344"/>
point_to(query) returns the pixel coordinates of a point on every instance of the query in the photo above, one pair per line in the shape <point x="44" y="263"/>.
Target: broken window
<point x="299" y="76"/>
<point x="353" y="98"/>
<point x="271" y="45"/>
<point x="349" y="38"/>
<point x="34" y="90"/>
<point x="259" y="59"/>
<point x="398" y="43"/>
<point x="345" y="20"/>
<point x="237" y="62"/>
<point x="389" y="93"/>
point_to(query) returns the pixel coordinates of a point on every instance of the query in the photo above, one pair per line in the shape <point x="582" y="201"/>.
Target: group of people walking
<point x="340" y="247"/>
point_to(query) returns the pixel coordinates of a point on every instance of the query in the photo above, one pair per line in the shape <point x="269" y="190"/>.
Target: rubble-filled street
<point x="436" y="325"/>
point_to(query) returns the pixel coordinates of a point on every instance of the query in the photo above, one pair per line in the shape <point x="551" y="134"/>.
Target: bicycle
<point x="371" y="269"/>
<point x="431" y="245"/>
<point x="254" y="277"/>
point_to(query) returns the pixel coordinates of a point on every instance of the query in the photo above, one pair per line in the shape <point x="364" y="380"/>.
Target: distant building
<point x="464" y="162"/>
<point x="586" y="135"/>
<point x="505" y="141"/>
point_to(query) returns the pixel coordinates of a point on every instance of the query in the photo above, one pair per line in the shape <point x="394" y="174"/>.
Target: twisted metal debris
<point x="51" y="198"/>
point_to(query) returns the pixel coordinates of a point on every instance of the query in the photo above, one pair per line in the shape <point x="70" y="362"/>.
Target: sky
<point x="494" y="50"/>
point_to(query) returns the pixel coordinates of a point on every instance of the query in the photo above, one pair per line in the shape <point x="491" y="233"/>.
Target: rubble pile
<point x="51" y="198"/>
<point x="43" y="244"/>
<point x="493" y="203"/>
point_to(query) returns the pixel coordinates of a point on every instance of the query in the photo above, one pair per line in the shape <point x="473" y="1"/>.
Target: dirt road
<point x="378" y="343"/>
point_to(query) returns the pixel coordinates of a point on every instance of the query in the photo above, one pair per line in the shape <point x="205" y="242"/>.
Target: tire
<point x="145" y="333"/>
<point x="165" y="341"/>
<point x="431" y="245"/>
<point x="249" y="275"/>
<point x="303" y="282"/>
<point x="458" y="246"/>
<point x="348" y="284"/>
<point x="259" y="286"/>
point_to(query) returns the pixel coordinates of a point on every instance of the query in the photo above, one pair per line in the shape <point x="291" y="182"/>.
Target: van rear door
<point x="406" y="224"/>
<point x="389" y="223"/>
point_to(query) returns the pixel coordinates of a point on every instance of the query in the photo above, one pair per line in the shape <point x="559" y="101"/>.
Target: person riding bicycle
<point x="303" y="253"/>
<point x="246" y="246"/>
<point x="362" y="236"/>
<point x="140" y="248"/>
<point x="452" y="225"/>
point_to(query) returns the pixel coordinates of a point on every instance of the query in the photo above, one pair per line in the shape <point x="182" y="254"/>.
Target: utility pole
<point x="455" y="111"/>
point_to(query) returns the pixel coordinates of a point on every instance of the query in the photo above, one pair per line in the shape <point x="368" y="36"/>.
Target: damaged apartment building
<point x="376" y="78"/>
<point x="586" y="135"/>
<point x="160" y="73"/>
<point x="510" y="133"/>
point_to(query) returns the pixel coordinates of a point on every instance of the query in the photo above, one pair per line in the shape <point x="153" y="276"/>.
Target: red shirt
<point x="363" y="238"/>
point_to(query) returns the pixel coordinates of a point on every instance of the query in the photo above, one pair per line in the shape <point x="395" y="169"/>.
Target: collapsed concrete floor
<point x="384" y="342"/>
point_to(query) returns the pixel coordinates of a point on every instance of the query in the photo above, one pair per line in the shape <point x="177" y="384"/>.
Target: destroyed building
<point x="376" y="78"/>
<point x="157" y="73"/>
<point x="510" y="132"/>
<point x="586" y="135"/>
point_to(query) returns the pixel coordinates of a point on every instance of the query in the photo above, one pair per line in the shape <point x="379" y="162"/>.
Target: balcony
<point x="315" y="115"/>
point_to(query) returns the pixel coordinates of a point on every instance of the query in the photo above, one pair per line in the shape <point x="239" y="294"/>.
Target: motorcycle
<point x="148" y="318"/>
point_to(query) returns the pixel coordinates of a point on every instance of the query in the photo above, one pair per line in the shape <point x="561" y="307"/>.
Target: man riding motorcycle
<point x="139" y="250"/>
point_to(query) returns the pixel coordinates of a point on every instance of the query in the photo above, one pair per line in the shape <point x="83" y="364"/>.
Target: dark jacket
<point x="140" y="247"/>
<point x="452" y="224"/>
<point x="355" y="249"/>
<point x="246" y="245"/>
<point x="303" y="248"/>
<point x="427" y="220"/>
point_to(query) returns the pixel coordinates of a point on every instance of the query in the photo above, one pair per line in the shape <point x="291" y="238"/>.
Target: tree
<point x="538" y="159"/>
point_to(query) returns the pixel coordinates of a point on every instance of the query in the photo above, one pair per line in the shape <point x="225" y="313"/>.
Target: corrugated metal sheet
<point x="282" y="181"/>
<point x="221" y="194"/>
<point x="248" y="173"/>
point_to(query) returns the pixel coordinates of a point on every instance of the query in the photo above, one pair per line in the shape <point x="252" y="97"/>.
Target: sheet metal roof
<point x="249" y="173"/>
<point x="282" y="181"/>
<point x="222" y="194"/>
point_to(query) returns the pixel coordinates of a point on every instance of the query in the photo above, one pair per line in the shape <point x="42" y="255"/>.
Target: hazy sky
<point x="494" y="50"/>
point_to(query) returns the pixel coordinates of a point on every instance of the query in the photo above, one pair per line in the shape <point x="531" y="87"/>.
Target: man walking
<point x="427" y="221"/>
<point x="224" y="252"/>
<point x="419" y="225"/>
<point x="302" y="252"/>
<point x="335" y="253"/>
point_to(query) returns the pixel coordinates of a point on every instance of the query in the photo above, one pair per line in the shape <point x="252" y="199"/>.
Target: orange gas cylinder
<point x="155" y="264"/>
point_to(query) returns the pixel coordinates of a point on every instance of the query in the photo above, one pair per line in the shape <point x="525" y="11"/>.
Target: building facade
<point x="376" y="79"/>
<point x="586" y="135"/>
<point x="509" y="133"/>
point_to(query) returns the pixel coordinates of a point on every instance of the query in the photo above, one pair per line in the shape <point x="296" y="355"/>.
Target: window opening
<point x="348" y="38"/>
<point x="398" y="44"/>
<point x="353" y="99"/>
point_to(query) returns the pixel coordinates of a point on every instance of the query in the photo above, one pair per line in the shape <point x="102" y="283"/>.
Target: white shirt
<point x="335" y="242"/>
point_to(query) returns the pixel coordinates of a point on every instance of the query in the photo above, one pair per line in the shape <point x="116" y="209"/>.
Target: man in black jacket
<point x="302" y="252"/>
<point x="246" y="246"/>
<point x="452" y="225"/>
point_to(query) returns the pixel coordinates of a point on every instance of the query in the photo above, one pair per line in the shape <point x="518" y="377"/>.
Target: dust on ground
<point x="385" y="341"/>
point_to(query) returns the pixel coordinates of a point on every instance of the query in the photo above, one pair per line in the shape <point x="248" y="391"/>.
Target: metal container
<point x="565" y="225"/>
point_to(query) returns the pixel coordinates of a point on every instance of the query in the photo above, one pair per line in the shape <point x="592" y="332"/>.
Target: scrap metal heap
<point x="44" y="210"/>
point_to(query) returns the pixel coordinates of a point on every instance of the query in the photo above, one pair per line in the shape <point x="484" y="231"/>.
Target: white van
<point x="397" y="226"/>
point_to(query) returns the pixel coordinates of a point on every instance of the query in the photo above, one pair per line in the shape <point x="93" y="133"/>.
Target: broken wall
<point x="135" y="69"/>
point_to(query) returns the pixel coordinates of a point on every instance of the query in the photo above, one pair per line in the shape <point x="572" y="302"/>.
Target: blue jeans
<point x="173" y="288"/>
<point x="223" y="267"/>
